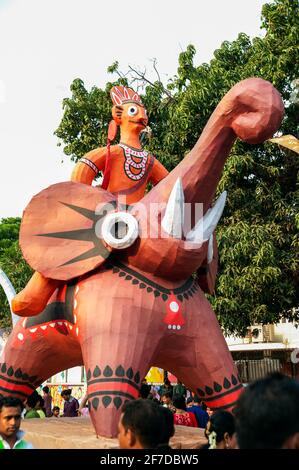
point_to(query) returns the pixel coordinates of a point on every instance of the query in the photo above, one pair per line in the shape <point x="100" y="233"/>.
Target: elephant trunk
<point x="252" y="110"/>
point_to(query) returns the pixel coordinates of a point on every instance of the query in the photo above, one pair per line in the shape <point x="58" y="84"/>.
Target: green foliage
<point x="12" y="263"/>
<point x="258" y="235"/>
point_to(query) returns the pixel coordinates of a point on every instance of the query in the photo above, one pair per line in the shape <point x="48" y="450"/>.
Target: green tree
<point x="258" y="237"/>
<point x="12" y="263"/>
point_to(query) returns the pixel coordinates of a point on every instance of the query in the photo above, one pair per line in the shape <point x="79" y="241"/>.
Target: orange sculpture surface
<point x="124" y="297"/>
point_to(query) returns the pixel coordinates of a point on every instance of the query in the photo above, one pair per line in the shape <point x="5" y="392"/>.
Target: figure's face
<point x="66" y="397"/>
<point x="56" y="413"/>
<point x="10" y="421"/>
<point x="132" y="117"/>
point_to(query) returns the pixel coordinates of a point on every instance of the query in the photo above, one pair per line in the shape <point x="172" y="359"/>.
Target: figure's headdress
<point x="122" y="94"/>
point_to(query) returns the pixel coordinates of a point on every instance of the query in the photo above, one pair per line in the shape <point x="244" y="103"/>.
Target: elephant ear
<point x="61" y="227"/>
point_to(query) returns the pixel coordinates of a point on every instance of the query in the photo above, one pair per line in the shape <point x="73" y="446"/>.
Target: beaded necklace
<point x="129" y="162"/>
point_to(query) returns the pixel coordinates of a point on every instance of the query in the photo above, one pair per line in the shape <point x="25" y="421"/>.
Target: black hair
<point x="167" y="382"/>
<point x="196" y="399"/>
<point x="11" y="402"/>
<point x="267" y="412"/>
<point x="179" y="402"/>
<point x="168" y="429"/>
<point x="222" y="422"/>
<point x="166" y="394"/>
<point x="55" y="408"/>
<point x="68" y="391"/>
<point x="33" y="399"/>
<point x="144" y="390"/>
<point x="46" y="389"/>
<point x="144" y="418"/>
<point x="41" y="401"/>
<point x="189" y="400"/>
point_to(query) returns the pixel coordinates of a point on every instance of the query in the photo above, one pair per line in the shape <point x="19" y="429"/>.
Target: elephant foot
<point x="108" y="389"/>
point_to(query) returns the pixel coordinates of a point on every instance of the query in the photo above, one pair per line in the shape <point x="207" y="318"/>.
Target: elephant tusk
<point x="210" y="249"/>
<point x="205" y="227"/>
<point x="173" y="220"/>
<point x="10" y="293"/>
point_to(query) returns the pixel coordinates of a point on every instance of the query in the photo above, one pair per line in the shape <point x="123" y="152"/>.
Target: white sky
<point x="45" y="44"/>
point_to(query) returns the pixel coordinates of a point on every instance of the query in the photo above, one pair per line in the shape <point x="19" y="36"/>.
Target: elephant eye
<point x="132" y="111"/>
<point x="119" y="230"/>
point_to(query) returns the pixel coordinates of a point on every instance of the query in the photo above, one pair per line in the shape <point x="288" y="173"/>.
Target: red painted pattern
<point x="224" y="401"/>
<point x="113" y="387"/>
<point x="15" y="387"/>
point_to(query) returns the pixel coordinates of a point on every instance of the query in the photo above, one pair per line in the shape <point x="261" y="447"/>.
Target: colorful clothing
<point x="185" y="419"/>
<point x="31" y="414"/>
<point x="201" y="416"/>
<point x="19" y="444"/>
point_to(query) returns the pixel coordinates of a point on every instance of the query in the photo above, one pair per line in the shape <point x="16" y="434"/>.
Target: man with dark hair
<point x="11" y="437"/>
<point x="140" y="425"/>
<point x="31" y="405"/>
<point x="47" y="401"/>
<point x="267" y="414"/>
<point x="168" y="429"/>
<point x="71" y="404"/>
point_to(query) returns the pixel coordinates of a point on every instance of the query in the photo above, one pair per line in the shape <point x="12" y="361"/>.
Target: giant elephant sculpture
<point x="120" y="311"/>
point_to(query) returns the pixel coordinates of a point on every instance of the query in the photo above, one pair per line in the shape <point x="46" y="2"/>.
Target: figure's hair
<point x="46" y="389"/>
<point x="179" y="402"/>
<point x="68" y="391"/>
<point x="220" y="423"/>
<point x="189" y="400"/>
<point x="12" y="402"/>
<point x="145" y="419"/>
<point x="55" y="408"/>
<point x="166" y="394"/>
<point x="267" y="412"/>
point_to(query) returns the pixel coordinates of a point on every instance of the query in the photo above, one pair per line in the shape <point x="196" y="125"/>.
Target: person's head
<point x="267" y="414"/>
<point x="220" y="430"/>
<point x="189" y="402"/>
<point x="66" y="394"/>
<point x="40" y="402"/>
<point x="32" y="401"/>
<point x="10" y="416"/>
<point x="140" y="425"/>
<point x="197" y="400"/>
<point x="167" y="382"/>
<point x="179" y="402"/>
<point x="166" y="398"/>
<point x="168" y="429"/>
<point x="46" y="390"/>
<point x="56" y="411"/>
<point x="144" y="390"/>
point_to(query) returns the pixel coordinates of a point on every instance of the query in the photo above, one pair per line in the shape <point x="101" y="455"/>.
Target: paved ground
<point x="78" y="433"/>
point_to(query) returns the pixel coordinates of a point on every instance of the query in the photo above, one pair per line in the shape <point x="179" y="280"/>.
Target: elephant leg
<point x="117" y="345"/>
<point x="199" y="356"/>
<point x="38" y="348"/>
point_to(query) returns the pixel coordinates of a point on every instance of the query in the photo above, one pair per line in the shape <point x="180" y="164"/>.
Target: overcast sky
<point x="46" y="44"/>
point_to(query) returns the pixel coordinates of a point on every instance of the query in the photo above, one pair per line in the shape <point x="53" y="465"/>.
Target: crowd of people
<point x="266" y="416"/>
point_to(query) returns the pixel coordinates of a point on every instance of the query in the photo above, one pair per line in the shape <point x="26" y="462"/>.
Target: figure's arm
<point x="89" y="166"/>
<point x="158" y="173"/>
